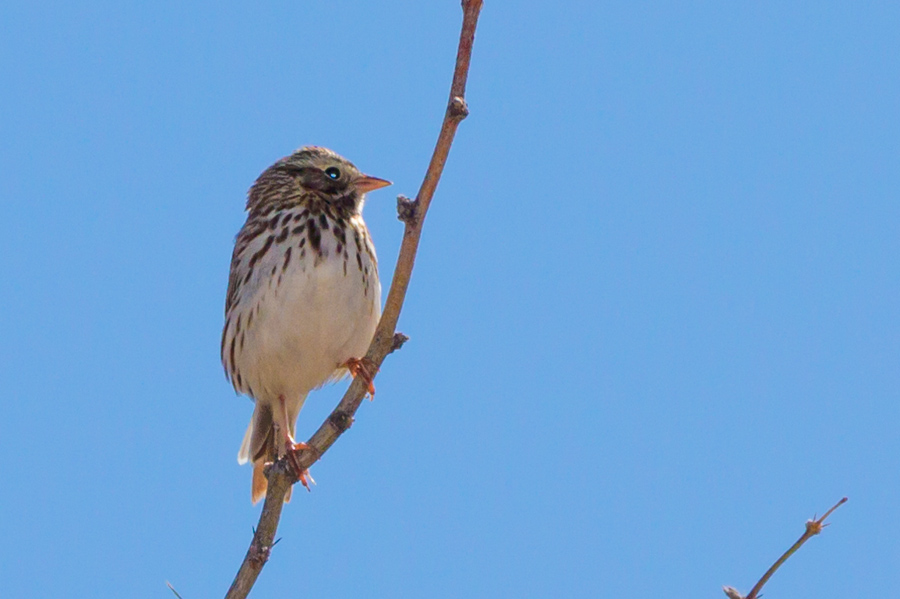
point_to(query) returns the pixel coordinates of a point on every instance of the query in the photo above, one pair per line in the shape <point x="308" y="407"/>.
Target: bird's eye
<point x="333" y="173"/>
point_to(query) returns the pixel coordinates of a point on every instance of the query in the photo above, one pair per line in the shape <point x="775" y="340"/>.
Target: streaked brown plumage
<point x="303" y="294"/>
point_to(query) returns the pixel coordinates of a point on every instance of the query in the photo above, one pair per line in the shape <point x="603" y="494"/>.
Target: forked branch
<point x="386" y="339"/>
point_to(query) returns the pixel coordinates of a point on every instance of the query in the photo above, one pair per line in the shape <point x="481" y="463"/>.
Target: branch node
<point x="259" y="554"/>
<point x="408" y="210"/>
<point x="279" y="466"/>
<point x="457" y="109"/>
<point x="340" y="420"/>
<point x="813" y="527"/>
<point x="398" y="341"/>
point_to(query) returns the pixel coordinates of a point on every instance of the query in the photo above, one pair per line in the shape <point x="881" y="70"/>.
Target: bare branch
<point x="813" y="527"/>
<point x="281" y="475"/>
<point x="171" y="588"/>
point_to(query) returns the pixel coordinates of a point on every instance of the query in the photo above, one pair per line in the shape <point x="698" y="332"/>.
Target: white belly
<point x="307" y="325"/>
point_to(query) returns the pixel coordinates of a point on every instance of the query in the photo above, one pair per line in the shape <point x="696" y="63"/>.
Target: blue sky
<point x="654" y="318"/>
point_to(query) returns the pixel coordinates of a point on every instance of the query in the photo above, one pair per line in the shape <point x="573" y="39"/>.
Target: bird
<point x="303" y="297"/>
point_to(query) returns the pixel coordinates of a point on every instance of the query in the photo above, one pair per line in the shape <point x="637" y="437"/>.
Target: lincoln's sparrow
<point x="303" y="295"/>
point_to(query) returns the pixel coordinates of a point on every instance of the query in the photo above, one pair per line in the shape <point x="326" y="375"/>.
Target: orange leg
<point x="359" y="367"/>
<point x="303" y="474"/>
<point x="292" y="448"/>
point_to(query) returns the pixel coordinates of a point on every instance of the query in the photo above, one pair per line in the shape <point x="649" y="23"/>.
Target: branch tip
<point x="834" y="507"/>
<point x="466" y="4"/>
<point x="732" y="593"/>
<point x="171" y="588"/>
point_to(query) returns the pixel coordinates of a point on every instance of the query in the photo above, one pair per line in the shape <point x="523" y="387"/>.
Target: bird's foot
<point x="292" y="453"/>
<point x="291" y="445"/>
<point x="362" y="368"/>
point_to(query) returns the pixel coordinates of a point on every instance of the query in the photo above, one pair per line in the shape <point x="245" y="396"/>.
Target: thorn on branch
<point x="457" y="109"/>
<point x="398" y="341"/>
<point x="408" y="210"/>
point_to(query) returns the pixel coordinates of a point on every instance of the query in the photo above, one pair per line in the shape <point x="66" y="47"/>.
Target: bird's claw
<point x="292" y="453"/>
<point x="362" y="368"/>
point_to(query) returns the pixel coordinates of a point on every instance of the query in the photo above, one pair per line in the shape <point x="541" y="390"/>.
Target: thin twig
<point x="171" y="588"/>
<point x="813" y="527"/>
<point x="281" y="475"/>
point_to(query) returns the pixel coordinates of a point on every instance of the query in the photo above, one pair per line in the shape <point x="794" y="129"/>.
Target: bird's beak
<point x="367" y="183"/>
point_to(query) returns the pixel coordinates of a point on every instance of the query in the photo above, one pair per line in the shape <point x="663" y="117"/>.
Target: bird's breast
<point x="315" y="304"/>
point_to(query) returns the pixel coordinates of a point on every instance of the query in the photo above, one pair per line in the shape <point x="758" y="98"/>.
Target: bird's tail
<point x="258" y="446"/>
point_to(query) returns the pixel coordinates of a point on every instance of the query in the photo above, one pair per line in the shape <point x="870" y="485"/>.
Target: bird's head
<point x="312" y="169"/>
